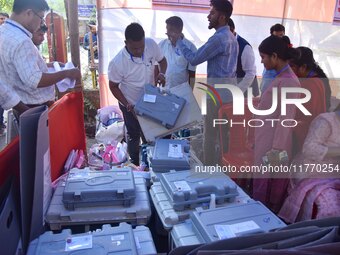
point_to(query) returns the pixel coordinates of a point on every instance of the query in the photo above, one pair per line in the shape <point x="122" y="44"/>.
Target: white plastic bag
<point x="110" y="125"/>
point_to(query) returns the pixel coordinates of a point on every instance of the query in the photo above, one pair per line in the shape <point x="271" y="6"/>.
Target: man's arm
<point x="192" y="77"/>
<point x="49" y="79"/>
<point x="86" y="42"/>
<point x="117" y="93"/>
<point x="209" y="50"/>
<point x="161" y="75"/>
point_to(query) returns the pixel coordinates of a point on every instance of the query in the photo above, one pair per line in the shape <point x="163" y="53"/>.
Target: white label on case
<point x="229" y="231"/>
<point x="117" y="238"/>
<point x="149" y="98"/>
<point x="75" y="243"/>
<point x="244" y="227"/>
<point x="175" y="151"/>
<point x="224" y="232"/>
<point x="182" y="186"/>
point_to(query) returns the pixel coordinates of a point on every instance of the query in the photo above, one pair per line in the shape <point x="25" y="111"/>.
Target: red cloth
<point x="316" y="105"/>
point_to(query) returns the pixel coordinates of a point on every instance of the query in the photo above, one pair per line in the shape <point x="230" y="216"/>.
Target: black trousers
<point x="134" y="134"/>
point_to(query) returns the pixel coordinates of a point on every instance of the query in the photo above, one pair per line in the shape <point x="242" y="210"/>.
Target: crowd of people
<point x="25" y="82"/>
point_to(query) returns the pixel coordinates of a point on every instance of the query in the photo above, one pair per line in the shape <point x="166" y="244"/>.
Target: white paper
<point x="75" y="243"/>
<point x="175" y="151"/>
<point x="224" y="232"/>
<point x="149" y="98"/>
<point x="182" y="186"/>
<point x="66" y="83"/>
<point x="246" y="226"/>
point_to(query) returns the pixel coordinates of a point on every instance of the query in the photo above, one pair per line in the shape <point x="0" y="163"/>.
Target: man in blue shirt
<point x="87" y="44"/>
<point x="220" y="51"/>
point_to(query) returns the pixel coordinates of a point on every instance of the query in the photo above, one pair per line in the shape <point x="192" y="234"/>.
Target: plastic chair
<point x="237" y="144"/>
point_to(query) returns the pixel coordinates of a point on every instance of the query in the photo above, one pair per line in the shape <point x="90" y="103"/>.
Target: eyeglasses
<point x="42" y="19"/>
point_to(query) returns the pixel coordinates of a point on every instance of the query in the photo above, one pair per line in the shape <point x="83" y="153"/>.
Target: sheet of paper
<point x="66" y="83"/>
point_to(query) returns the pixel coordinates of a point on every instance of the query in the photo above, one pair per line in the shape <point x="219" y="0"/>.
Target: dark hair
<point x="277" y="27"/>
<point x="175" y="21"/>
<point x="306" y="57"/>
<point x="134" y="32"/>
<point x="281" y="46"/>
<point x="4" y="14"/>
<point x="231" y="24"/>
<point x="37" y="5"/>
<point x="223" y="6"/>
<point x="91" y="23"/>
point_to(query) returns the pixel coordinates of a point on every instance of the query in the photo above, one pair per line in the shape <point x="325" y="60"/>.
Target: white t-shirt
<point x="133" y="73"/>
<point x="178" y="66"/>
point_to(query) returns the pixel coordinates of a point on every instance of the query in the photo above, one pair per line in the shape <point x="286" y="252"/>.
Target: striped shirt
<point x="220" y="51"/>
<point x="21" y="65"/>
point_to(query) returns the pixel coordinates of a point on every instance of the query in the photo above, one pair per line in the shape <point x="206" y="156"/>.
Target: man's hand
<point x="161" y="79"/>
<point x="129" y="108"/>
<point x="174" y="36"/>
<point x="74" y="74"/>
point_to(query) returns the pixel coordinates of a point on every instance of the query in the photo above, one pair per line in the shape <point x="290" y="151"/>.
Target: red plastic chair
<point x="237" y="144"/>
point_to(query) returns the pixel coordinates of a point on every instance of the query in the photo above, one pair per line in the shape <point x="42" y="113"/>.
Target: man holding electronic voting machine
<point x="129" y="71"/>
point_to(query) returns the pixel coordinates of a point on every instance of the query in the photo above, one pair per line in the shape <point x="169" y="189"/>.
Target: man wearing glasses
<point x="23" y="72"/>
<point x="128" y="72"/>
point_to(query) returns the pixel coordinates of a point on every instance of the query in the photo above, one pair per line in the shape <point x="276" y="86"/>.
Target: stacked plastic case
<point x="137" y="212"/>
<point x="109" y="240"/>
<point x="170" y="217"/>
<point x="190" y="189"/>
<point x="170" y="154"/>
<point x="87" y="187"/>
<point x="164" y="108"/>
<point x="205" y="226"/>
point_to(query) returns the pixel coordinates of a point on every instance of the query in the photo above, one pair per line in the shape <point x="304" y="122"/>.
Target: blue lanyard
<point x="282" y="70"/>
<point x="14" y="25"/>
<point x="131" y="57"/>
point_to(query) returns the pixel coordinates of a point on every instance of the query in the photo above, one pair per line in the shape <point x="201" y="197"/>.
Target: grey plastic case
<point x="233" y="221"/>
<point x="170" y="217"/>
<point x="137" y="213"/>
<point x="189" y="189"/>
<point x="109" y="240"/>
<point x="170" y="154"/>
<point x="86" y="187"/>
<point x="164" y="108"/>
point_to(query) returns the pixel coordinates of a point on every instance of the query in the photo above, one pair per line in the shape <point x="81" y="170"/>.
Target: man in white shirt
<point x="128" y="72"/>
<point x="246" y="68"/>
<point x="179" y="70"/>
<point x="22" y="68"/>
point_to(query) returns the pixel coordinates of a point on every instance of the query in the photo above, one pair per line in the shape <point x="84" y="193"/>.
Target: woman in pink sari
<point x="315" y="186"/>
<point x="274" y="140"/>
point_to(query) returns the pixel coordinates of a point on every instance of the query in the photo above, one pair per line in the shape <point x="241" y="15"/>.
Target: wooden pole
<point x="74" y="31"/>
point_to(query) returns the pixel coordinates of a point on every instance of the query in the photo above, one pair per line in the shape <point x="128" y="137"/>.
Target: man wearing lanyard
<point x="220" y="51"/>
<point x="22" y="68"/>
<point x="128" y="72"/>
<point x="179" y="69"/>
